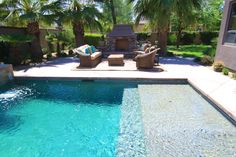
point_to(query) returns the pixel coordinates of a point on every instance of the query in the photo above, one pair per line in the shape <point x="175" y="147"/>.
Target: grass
<point x="191" y="50"/>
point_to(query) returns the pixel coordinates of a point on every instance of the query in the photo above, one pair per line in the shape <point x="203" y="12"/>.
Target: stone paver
<point x="221" y="89"/>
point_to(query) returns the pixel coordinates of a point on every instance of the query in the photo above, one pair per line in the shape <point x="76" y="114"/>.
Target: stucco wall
<point x="226" y="52"/>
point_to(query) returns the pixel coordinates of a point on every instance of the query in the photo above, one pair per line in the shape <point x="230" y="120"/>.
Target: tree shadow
<point x="178" y="61"/>
<point x="52" y="63"/>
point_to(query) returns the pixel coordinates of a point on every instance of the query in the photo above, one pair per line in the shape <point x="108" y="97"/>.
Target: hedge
<point x="143" y="36"/>
<point x="187" y="38"/>
<point x="93" y="39"/>
<point x="207" y="37"/>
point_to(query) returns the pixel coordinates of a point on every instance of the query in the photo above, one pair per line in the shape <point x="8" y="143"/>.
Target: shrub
<point x="218" y="66"/>
<point x="197" y="59"/>
<point x="187" y="38"/>
<point x="169" y="54"/>
<point x="234" y="76"/>
<point x="70" y="52"/>
<point x="214" y="42"/>
<point x="17" y="38"/>
<point x="143" y="36"/>
<point x="212" y="51"/>
<point x="15" y="48"/>
<point x="172" y="38"/>
<point x="62" y="54"/>
<point x="206" y="60"/>
<point x="207" y="37"/>
<point x="225" y="71"/>
<point x="93" y="39"/>
<point x="49" y="56"/>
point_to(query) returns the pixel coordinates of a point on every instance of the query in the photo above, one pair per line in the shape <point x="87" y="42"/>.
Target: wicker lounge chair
<point x="146" y="61"/>
<point x="143" y="50"/>
<point x="88" y="59"/>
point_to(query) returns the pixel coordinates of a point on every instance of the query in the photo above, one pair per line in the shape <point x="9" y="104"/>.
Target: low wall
<point x="6" y="73"/>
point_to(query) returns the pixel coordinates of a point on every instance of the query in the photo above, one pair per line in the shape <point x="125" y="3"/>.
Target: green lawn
<point x="191" y="50"/>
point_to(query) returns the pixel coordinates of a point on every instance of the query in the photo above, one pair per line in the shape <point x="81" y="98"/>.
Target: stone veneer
<point x="121" y="32"/>
<point x="6" y="73"/>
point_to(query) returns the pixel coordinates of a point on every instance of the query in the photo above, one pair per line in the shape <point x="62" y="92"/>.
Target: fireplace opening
<point x="122" y="45"/>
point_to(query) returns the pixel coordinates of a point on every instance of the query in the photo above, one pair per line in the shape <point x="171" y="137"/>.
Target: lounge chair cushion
<point x="87" y="50"/>
<point x="96" y="54"/>
<point x="93" y="49"/>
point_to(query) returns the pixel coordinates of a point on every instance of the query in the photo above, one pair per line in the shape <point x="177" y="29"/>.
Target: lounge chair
<point x="143" y="50"/>
<point x="147" y="60"/>
<point x="88" y="57"/>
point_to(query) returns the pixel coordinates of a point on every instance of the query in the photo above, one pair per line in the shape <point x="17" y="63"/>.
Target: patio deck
<point x="218" y="88"/>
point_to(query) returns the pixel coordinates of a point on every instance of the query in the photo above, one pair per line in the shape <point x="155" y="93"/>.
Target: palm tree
<point x="81" y="16"/>
<point x="160" y="11"/>
<point x="32" y="12"/>
<point x="110" y="4"/>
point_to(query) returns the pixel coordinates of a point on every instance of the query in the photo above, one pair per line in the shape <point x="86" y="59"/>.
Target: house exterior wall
<point x="226" y="52"/>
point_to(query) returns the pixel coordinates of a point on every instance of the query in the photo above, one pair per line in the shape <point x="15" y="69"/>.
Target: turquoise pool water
<point x="108" y="119"/>
<point x="67" y="118"/>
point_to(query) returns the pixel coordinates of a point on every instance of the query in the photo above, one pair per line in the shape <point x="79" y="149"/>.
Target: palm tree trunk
<point x="36" y="50"/>
<point x="179" y="28"/>
<point x="178" y="38"/>
<point x="58" y="49"/>
<point x="113" y="14"/>
<point x="78" y="30"/>
<point x="162" y="39"/>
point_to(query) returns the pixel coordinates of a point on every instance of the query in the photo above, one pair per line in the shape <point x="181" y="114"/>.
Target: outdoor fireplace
<point x="122" y="44"/>
<point x="121" y="39"/>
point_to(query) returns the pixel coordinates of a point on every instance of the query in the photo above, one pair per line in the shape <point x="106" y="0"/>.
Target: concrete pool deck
<point x="218" y="88"/>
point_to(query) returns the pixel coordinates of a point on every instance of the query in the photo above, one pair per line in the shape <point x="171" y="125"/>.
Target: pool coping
<point x="217" y="105"/>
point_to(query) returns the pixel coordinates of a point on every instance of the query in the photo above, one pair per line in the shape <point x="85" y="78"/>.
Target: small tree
<point x="110" y="4"/>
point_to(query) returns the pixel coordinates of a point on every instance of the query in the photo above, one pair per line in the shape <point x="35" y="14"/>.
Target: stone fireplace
<point x="122" y="44"/>
<point x="121" y="39"/>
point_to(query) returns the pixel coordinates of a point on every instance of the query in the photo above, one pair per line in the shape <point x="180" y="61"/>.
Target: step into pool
<point x="109" y="118"/>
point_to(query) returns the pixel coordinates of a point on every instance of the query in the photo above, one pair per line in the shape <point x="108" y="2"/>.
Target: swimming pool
<point x="109" y="118"/>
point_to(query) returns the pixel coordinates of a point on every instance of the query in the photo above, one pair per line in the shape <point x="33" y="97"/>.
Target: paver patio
<point x="217" y="87"/>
